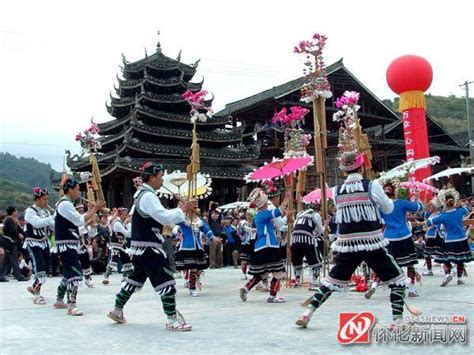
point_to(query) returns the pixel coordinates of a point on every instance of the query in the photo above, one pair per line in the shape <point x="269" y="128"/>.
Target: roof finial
<point x="179" y="56"/>
<point x="124" y="60"/>
<point x="158" y="45"/>
<point x="146" y="54"/>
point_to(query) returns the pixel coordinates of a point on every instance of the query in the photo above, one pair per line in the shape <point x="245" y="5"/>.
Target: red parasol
<point x="279" y="168"/>
<point x="315" y="196"/>
<point x="416" y="186"/>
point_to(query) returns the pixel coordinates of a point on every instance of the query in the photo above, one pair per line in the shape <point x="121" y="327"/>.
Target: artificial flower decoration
<point x="347" y="116"/>
<point x="317" y="84"/>
<point x="348" y="107"/>
<point x="292" y="119"/>
<point x="87" y="139"/>
<point x="199" y="111"/>
<point x="137" y="182"/>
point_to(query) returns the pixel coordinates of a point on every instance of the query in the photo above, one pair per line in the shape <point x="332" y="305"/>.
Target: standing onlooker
<point x="21" y="228"/>
<point x="11" y="239"/>
<point x="232" y="242"/>
<point x="215" y="248"/>
<point x="99" y="255"/>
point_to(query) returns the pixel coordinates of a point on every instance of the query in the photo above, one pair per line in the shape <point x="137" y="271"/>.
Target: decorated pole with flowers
<point x="296" y="141"/>
<point x="199" y="112"/>
<point x="316" y="90"/>
<point x="90" y="144"/>
<point x="351" y="130"/>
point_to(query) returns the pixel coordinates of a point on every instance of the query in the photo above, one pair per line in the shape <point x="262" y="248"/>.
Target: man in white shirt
<point x="149" y="258"/>
<point x="39" y="227"/>
<point x="66" y="225"/>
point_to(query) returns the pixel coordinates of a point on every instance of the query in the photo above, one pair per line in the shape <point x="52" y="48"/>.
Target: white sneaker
<point x="447" y="279"/>
<point x="89" y="283"/>
<point x="427" y="273"/>
<point x="194" y="293"/>
<point x="272" y="299"/>
<point x="305" y="317"/>
<point x="243" y="294"/>
<point x="74" y="311"/>
<point x="178" y="324"/>
<point x="369" y="292"/>
<point x="117" y="315"/>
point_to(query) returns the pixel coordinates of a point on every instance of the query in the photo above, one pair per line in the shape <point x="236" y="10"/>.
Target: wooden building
<point x="152" y="123"/>
<point x="254" y="113"/>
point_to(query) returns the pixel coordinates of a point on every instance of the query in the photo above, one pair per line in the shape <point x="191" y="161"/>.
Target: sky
<point x="59" y="59"/>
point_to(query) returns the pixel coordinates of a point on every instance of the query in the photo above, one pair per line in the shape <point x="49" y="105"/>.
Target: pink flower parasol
<point x="315" y="196"/>
<point x="415" y="186"/>
<point x="279" y="168"/>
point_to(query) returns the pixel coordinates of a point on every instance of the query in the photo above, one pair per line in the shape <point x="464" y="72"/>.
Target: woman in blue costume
<point x="191" y="256"/>
<point x="455" y="248"/>
<point x="398" y="233"/>
<point x="266" y="257"/>
<point x="433" y="235"/>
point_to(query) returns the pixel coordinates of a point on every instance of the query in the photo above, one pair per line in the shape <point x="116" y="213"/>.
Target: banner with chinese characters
<point x="416" y="139"/>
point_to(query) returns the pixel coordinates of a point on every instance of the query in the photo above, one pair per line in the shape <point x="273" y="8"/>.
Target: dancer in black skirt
<point x="398" y="233"/>
<point x="433" y="236"/>
<point x="306" y="243"/>
<point x="266" y="257"/>
<point x="455" y="248"/>
<point x="360" y="238"/>
<point x="191" y="256"/>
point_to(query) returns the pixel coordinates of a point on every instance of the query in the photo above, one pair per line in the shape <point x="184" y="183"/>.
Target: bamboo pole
<point x="300" y="189"/>
<point x="320" y="146"/>
<point x="289" y="185"/>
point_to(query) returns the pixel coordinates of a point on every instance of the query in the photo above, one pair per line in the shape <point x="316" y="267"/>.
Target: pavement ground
<point x="222" y="323"/>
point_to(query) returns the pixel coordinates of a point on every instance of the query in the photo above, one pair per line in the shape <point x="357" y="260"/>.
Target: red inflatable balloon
<point x="408" y="73"/>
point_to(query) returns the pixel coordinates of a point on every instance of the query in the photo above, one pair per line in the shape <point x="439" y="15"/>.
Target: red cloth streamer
<point x="416" y="140"/>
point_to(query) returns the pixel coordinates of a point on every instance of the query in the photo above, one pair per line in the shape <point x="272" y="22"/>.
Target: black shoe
<point x="4" y="280"/>
<point x="23" y="279"/>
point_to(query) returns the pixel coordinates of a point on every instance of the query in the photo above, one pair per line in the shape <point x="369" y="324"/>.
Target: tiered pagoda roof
<point x="152" y="122"/>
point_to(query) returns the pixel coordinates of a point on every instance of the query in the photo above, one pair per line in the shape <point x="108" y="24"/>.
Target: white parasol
<point x="233" y="206"/>
<point x="176" y="183"/>
<point x="237" y="205"/>
<point x="451" y="171"/>
<point x="408" y="168"/>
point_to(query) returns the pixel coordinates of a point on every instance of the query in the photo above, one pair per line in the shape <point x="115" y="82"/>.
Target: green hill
<point x="18" y="176"/>
<point x="448" y="111"/>
<point x="14" y="193"/>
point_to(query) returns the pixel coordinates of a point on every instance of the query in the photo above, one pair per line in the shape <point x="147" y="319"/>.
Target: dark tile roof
<point x="215" y="171"/>
<point x="295" y="85"/>
<point x="241" y="153"/>
<point x="218" y="119"/>
<point x="216" y="135"/>
<point x="159" y="61"/>
<point x="459" y="139"/>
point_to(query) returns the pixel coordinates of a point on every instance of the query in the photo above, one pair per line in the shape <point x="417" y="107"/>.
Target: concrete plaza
<point x="222" y="323"/>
